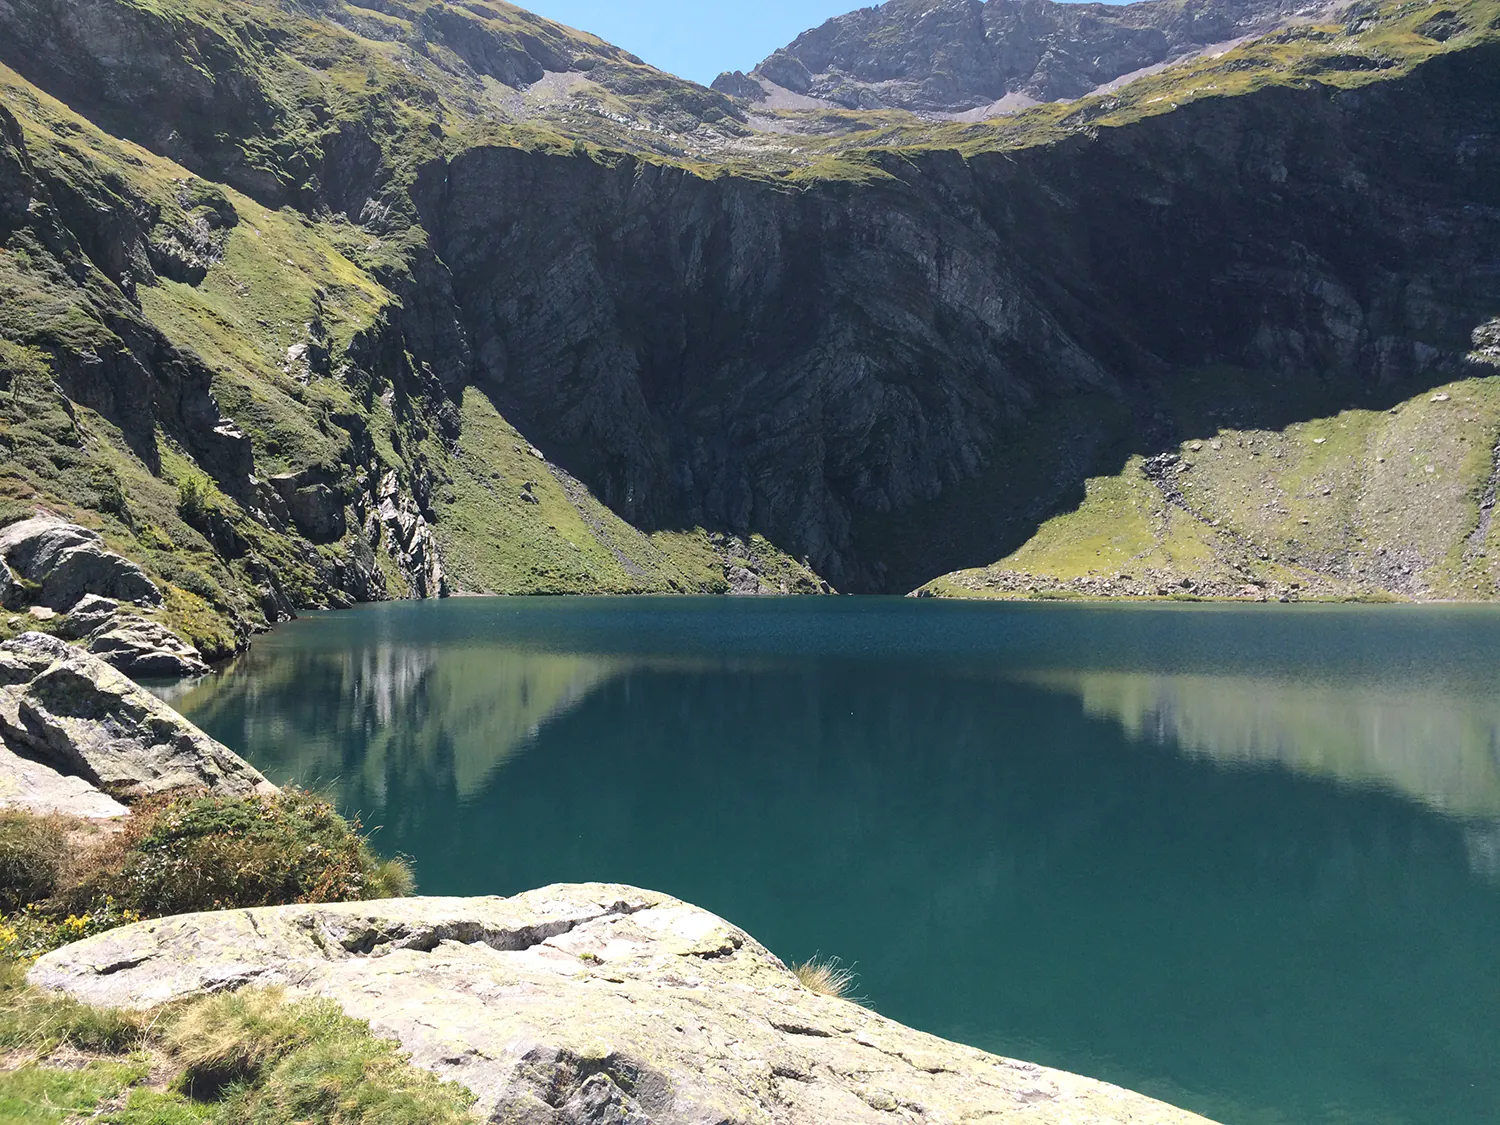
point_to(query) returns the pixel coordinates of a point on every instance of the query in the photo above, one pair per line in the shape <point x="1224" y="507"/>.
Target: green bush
<point x="177" y="854"/>
<point x="193" y="852"/>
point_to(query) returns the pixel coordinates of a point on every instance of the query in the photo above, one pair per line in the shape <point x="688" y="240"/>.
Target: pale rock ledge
<point x="587" y="1004"/>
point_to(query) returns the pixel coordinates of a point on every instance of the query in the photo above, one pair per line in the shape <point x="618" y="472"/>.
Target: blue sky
<point x="695" y="38"/>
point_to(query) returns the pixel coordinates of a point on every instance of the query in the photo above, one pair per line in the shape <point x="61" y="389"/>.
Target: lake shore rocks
<point x="131" y="643"/>
<point x="583" y="1004"/>
<point x="139" y="646"/>
<point x="67" y="711"/>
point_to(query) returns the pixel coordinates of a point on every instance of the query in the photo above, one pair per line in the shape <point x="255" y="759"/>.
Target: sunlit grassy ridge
<point x="1349" y="505"/>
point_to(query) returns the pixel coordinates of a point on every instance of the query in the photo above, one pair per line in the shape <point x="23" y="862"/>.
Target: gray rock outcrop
<point x="90" y="614"/>
<point x="578" y="1005"/>
<point x="135" y="645"/>
<point x="144" y="648"/>
<point x="38" y="788"/>
<point x="65" y="562"/>
<point x="408" y="537"/>
<point x="313" y="503"/>
<point x="68" y="710"/>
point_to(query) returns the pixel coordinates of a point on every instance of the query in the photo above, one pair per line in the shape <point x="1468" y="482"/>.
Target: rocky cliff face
<point x="957" y="55"/>
<point x="820" y="364"/>
<point x="366" y="329"/>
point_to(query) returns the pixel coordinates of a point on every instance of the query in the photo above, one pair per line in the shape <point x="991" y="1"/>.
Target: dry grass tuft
<point x="827" y="976"/>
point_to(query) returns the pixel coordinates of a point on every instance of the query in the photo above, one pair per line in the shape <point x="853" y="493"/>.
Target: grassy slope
<point x="1359" y="504"/>
<point x="562" y="540"/>
<point x="252" y="305"/>
<point x="221" y="1060"/>
<point x="280" y="280"/>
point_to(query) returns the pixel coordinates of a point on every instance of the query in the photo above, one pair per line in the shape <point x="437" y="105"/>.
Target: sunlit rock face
<point x="578" y="1004"/>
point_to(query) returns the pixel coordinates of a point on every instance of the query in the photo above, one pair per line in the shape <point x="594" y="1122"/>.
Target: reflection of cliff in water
<point x="1443" y="749"/>
<point x="373" y="722"/>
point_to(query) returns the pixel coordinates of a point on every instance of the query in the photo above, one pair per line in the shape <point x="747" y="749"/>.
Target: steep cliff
<point x="419" y="298"/>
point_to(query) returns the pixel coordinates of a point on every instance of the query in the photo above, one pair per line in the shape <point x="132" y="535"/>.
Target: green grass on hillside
<point x="511" y="522"/>
<point x="1363" y="503"/>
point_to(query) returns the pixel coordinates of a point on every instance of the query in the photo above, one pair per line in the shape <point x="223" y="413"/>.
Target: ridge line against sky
<point x="694" y="39"/>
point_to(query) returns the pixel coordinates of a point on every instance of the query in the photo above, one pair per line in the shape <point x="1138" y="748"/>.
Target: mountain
<point x="309" y="303"/>
<point x="954" y="56"/>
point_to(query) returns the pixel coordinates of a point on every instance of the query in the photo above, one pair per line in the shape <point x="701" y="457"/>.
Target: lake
<point x="1242" y="858"/>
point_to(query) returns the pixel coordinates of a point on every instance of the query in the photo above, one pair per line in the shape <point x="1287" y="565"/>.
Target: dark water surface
<point x="1246" y="859"/>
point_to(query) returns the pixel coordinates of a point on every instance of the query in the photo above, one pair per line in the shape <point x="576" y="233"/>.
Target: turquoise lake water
<point x="1246" y="859"/>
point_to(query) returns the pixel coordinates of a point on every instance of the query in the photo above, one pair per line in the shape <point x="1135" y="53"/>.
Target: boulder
<point x="576" y="1005"/>
<point x="90" y="614"/>
<point x="145" y="649"/>
<point x="8" y="589"/>
<point x="70" y="711"/>
<point x="738" y="84"/>
<point x="66" y="561"/>
<point x="316" y="509"/>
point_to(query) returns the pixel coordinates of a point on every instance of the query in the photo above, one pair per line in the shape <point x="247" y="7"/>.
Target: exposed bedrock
<point x="65" y="562"/>
<point x="835" y="366"/>
<point x="957" y="55"/>
<point x="583" y="1004"/>
<point x="67" y="712"/>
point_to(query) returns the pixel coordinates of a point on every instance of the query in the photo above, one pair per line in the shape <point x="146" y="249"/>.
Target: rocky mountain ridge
<point x="954" y="57"/>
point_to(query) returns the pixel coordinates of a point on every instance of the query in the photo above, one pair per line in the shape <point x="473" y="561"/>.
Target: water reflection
<point x="1018" y="820"/>
<point x="370" y="719"/>
<point x="1440" y="747"/>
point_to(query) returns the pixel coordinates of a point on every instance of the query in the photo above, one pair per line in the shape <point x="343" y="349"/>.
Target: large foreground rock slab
<point x="68" y="710"/>
<point x="580" y="1005"/>
<point x="66" y="561"/>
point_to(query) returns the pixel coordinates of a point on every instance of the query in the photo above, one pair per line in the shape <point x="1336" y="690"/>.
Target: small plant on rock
<point x="826" y="976"/>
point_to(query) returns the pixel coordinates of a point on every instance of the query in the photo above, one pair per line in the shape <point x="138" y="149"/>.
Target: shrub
<point x="29" y="933"/>
<point x="190" y="852"/>
<point x="32" y="852"/>
<point x="195" y="500"/>
<point x="176" y="854"/>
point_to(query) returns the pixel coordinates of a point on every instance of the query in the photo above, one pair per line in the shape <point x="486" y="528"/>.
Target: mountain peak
<point x="950" y="57"/>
